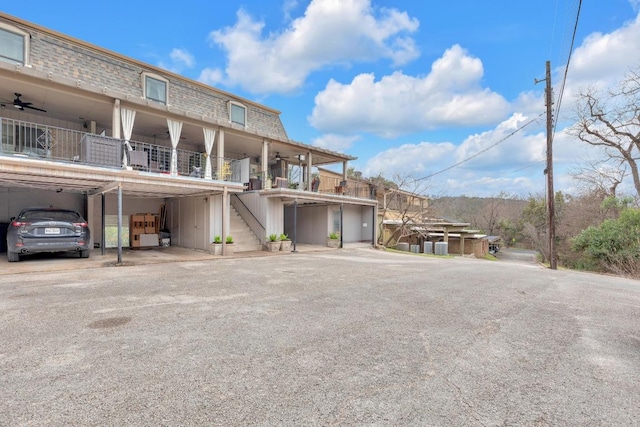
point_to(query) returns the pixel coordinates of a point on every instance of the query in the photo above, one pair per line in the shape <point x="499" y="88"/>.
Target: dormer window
<point x="237" y="113"/>
<point x="14" y="45"/>
<point x="155" y="87"/>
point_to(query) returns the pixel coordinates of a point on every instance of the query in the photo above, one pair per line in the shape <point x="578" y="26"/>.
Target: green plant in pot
<point x="273" y="244"/>
<point x="285" y="242"/>
<point x="230" y="248"/>
<point x="216" y="246"/>
<point x="333" y="241"/>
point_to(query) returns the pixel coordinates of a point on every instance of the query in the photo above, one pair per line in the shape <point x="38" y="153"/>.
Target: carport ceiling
<point x="149" y="188"/>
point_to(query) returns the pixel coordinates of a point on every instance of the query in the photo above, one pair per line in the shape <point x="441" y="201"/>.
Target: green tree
<point x="613" y="246"/>
<point x="535" y="223"/>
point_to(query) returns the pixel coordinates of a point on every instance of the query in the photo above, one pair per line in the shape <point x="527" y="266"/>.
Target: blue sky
<point x="409" y="87"/>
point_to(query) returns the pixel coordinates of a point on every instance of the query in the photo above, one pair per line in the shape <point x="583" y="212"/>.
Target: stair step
<point x="244" y="238"/>
<point x="243" y="247"/>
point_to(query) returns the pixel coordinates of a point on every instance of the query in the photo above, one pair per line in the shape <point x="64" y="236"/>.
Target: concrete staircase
<point x="244" y="239"/>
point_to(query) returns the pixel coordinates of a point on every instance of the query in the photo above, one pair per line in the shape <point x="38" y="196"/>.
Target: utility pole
<point x="551" y="210"/>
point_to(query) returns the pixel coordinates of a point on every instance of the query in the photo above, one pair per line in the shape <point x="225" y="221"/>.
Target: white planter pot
<point x="285" y="245"/>
<point x="215" y="248"/>
<point x="272" y="246"/>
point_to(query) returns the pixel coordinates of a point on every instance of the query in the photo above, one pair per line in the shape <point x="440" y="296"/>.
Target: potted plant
<point x="215" y="247"/>
<point x="285" y="243"/>
<point x="230" y="248"/>
<point x="333" y="241"/>
<point x="273" y="244"/>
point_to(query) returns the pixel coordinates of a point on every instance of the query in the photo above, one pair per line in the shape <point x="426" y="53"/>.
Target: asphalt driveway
<point x="346" y="337"/>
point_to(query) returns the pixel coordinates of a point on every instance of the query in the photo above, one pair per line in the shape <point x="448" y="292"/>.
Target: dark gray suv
<point x="37" y="230"/>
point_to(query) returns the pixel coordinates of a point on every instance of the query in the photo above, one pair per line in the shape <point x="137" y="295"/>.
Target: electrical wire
<point x="557" y="109"/>
<point x="566" y="70"/>
<point x="484" y="150"/>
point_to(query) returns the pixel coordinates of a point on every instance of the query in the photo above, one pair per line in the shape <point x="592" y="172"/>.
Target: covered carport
<point x="94" y="182"/>
<point x="310" y="217"/>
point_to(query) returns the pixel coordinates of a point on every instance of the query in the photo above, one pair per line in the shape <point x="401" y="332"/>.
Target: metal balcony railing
<point x="39" y="141"/>
<point x="33" y="140"/>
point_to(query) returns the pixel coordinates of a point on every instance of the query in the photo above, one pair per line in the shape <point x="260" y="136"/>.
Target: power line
<point x="566" y="69"/>
<point x="495" y="144"/>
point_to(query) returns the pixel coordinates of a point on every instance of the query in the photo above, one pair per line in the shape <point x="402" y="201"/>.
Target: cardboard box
<point x="150" y="221"/>
<point x="136" y="221"/>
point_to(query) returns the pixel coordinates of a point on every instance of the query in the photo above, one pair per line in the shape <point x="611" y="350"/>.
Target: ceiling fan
<point x="21" y="105"/>
<point x="278" y="157"/>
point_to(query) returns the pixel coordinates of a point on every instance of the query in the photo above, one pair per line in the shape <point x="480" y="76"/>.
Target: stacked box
<point x="150" y="222"/>
<point x="136" y="228"/>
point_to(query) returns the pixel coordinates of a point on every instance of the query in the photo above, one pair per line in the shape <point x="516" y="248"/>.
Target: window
<point x="14" y="45"/>
<point x="238" y="113"/>
<point x="155" y="88"/>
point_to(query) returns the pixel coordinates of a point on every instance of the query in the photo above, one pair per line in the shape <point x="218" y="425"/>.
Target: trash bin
<point x="403" y="246"/>
<point x="442" y="248"/>
<point x="428" y="247"/>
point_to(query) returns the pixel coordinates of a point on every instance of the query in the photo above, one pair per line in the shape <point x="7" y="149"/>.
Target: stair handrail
<point x="245" y="213"/>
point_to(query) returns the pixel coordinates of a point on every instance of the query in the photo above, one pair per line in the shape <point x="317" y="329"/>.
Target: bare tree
<point x="600" y="177"/>
<point x="611" y="120"/>
<point x="401" y="199"/>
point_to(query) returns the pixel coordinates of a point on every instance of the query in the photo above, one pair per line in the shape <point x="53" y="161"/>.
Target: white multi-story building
<point x="110" y="136"/>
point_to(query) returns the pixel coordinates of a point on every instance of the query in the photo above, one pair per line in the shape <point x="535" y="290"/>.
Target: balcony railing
<point x="39" y="141"/>
<point x="321" y="185"/>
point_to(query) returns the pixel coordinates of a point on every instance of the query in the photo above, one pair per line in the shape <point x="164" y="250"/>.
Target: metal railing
<point x="346" y="188"/>
<point x="39" y="141"/>
<point x="321" y="185"/>
<point x="157" y="158"/>
<point x="33" y="140"/>
<point x="249" y="218"/>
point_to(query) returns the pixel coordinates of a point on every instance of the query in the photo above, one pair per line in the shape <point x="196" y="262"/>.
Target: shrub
<point x="229" y="239"/>
<point x="217" y="239"/>
<point x="273" y="237"/>
<point x="613" y="245"/>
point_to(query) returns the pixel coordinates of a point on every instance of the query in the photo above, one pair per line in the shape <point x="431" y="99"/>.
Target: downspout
<point x="341" y="228"/>
<point x="295" y="224"/>
<point x="119" y="223"/>
<point x="225" y="202"/>
<point x="104" y="225"/>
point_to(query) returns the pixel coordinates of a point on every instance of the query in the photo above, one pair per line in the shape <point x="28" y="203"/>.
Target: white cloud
<point x="330" y="32"/>
<point x="179" y="59"/>
<point x="451" y="95"/>
<point x="211" y="76"/>
<point x="339" y="143"/>
<point x="419" y="159"/>
<point x="182" y="56"/>
<point x="503" y="166"/>
<point x="288" y="7"/>
<point x="603" y="59"/>
<point x="501" y="148"/>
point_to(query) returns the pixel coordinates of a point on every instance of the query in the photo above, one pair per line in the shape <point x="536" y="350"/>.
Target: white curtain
<point x="209" y="137"/>
<point x="128" y="117"/>
<point x="175" y="129"/>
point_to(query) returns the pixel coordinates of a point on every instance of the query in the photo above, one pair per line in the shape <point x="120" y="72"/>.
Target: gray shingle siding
<point x="50" y="53"/>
